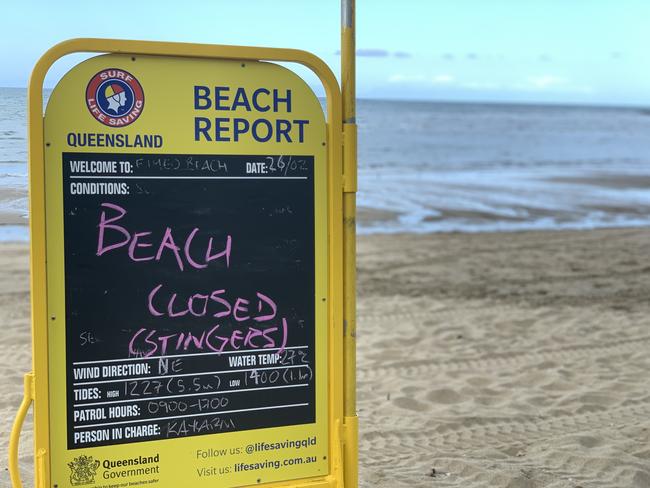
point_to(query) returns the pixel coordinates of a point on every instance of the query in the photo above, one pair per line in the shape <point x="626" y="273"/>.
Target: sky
<point x="539" y="51"/>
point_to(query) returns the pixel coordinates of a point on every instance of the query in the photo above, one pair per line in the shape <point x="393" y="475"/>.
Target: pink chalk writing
<point x="190" y="251"/>
<point x="149" y="342"/>
<point x="137" y="242"/>
<point x="217" y="303"/>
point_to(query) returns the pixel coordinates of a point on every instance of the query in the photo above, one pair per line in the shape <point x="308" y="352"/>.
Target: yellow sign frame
<point x="341" y="175"/>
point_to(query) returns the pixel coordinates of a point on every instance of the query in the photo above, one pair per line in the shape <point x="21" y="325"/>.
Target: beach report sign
<point x="186" y="228"/>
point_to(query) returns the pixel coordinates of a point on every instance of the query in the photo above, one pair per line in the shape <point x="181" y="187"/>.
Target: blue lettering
<point x="277" y="100"/>
<point x="241" y="127"/>
<point x="241" y="100"/>
<point x="201" y="126"/>
<point x="282" y="127"/>
<point x="301" y="124"/>
<point x="269" y="129"/>
<point x="202" y="93"/>
<point x="218" y="97"/>
<point x="219" y="129"/>
<point x="256" y="104"/>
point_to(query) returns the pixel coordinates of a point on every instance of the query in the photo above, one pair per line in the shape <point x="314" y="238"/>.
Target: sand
<point x="485" y="360"/>
<point x="15" y="352"/>
<point x="13" y="202"/>
<point x="505" y="360"/>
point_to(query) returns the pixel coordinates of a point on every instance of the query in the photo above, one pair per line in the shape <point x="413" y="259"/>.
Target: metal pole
<point x="348" y="66"/>
<point x="348" y="89"/>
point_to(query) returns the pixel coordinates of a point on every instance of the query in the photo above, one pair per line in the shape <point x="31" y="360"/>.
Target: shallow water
<point x="432" y="167"/>
<point x="469" y="167"/>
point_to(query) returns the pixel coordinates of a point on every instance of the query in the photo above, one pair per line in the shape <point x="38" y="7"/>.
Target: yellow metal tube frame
<point x="342" y="430"/>
<point x="348" y="89"/>
<point x="14" y="439"/>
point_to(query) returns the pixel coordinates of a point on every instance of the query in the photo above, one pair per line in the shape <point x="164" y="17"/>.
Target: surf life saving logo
<point x="115" y="97"/>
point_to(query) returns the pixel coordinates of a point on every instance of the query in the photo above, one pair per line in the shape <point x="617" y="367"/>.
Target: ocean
<point x="452" y="167"/>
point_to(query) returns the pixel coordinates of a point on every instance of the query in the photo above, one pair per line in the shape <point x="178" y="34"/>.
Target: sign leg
<point x="14" y="470"/>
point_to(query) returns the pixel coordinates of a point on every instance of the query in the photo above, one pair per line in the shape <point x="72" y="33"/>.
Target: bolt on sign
<point x="188" y="332"/>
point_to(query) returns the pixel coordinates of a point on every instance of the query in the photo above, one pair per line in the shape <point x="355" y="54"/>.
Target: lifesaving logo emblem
<point x="115" y="97"/>
<point x="82" y="470"/>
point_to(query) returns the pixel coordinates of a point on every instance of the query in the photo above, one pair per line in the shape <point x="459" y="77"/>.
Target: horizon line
<point x="533" y="103"/>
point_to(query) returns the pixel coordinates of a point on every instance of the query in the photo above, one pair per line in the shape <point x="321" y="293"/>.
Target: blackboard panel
<point x="189" y="295"/>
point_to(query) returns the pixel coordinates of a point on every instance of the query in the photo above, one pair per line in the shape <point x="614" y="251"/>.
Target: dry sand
<point x="487" y="360"/>
<point x="505" y="360"/>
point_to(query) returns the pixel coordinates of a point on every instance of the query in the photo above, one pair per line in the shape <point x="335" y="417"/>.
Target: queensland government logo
<point x="82" y="470"/>
<point x="115" y="97"/>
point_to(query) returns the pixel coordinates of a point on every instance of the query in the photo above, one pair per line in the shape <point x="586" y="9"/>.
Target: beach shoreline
<point x="498" y="359"/>
<point x="453" y="167"/>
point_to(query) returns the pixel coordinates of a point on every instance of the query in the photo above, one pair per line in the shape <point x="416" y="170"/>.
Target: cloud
<point x="545" y="84"/>
<point x="546" y="81"/>
<point x="481" y="85"/>
<point x="552" y="83"/>
<point x="373" y="53"/>
<point x="400" y="78"/>
<point x="443" y="79"/>
<point x="377" y="53"/>
<point x="544" y="58"/>
<point x="448" y="57"/>
<point x="472" y="56"/>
